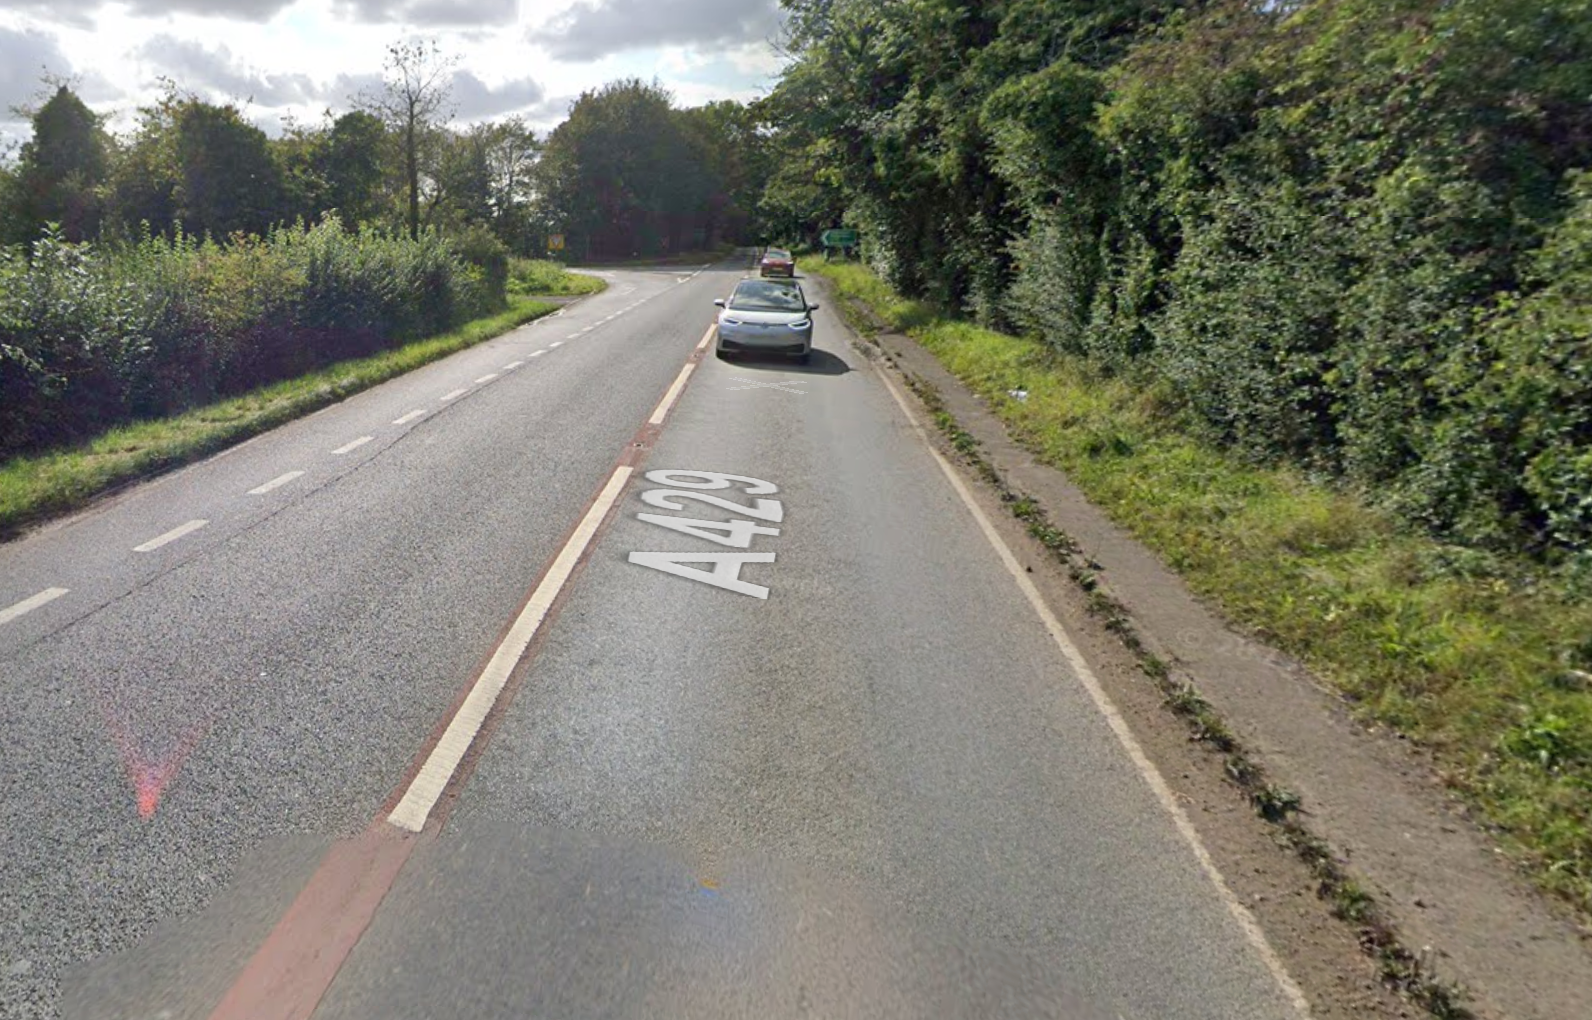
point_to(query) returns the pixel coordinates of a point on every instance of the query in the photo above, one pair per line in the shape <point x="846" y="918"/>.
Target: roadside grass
<point x="35" y="487"/>
<point x="546" y="278"/>
<point x="1482" y="659"/>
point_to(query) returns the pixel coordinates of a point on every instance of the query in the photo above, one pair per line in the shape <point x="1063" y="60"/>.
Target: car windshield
<point x="757" y="296"/>
<point x="777" y="254"/>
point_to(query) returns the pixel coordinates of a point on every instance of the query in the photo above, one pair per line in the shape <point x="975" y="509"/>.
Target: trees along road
<point x="269" y="753"/>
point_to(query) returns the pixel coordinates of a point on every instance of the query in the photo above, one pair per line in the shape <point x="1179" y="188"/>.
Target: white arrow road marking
<point x="786" y="387"/>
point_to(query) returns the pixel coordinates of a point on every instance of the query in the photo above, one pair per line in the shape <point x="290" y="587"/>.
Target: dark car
<point x="777" y="262"/>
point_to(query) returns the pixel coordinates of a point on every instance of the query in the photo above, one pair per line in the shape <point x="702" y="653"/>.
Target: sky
<point x="292" y="60"/>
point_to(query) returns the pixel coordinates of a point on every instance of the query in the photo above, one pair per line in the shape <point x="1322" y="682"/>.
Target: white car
<point x="766" y="315"/>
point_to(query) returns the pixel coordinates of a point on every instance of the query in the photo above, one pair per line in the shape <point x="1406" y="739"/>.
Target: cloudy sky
<point x="297" y="58"/>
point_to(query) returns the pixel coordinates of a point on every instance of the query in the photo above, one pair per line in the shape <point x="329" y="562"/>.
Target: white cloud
<point x="431" y="13"/>
<point x="592" y="29"/>
<point x="25" y="57"/>
<point x="299" y="58"/>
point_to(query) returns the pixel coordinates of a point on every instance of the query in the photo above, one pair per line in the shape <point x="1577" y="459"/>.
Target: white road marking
<point x="350" y="447"/>
<point x="726" y="572"/>
<point x="674" y="394"/>
<point x="1113" y="717"/>
<point x="461" y="391"/>
<point x="415" y="807"/>
<point x="537" y="354"/>
<point x="786" y="387"/>
<point x="511" y="366"/>
<point x="170" y="536"/>
<point x="31" y="603"/>
<point x="556" y="343"/>
<point x="707" y="338"/>
<point x="411" y="416"/>
<point x="573" y="336"/>
<point x="275" y="483"/>
<point x="487" y="378"/>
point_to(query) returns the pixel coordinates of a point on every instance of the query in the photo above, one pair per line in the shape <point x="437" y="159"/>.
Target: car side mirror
<point x="719" y="301"/>
<point x="812" y="308"/>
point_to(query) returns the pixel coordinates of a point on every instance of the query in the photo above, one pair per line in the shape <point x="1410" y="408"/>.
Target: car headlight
<point x="803" y="324"/>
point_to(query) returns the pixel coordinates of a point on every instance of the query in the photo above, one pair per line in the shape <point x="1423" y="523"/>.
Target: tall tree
<point x="61" y="168"/>
<point x="229" y="180"/>
<point x="618" y="175"/>
<point x="414" y="102"/>
<point x="350" y="162"/>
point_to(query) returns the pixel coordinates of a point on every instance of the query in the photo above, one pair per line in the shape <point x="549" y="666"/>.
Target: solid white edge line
<point x="170" y="536"/>
<point x="350" y="447"/>
<point x="433" y="777"/>
<point x="31" y="603"/>
<point x="275" y="483"/>
<point x="707" y="338"/>
<point x="455" y="395"/>
<point x="1114" y="719"/>
<point x="411" y="416"/>
<point x="487" y="378"/>
<point x="674" y="394"/>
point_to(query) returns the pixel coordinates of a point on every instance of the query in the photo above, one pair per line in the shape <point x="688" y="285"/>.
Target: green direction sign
<point x="840" y="238"/>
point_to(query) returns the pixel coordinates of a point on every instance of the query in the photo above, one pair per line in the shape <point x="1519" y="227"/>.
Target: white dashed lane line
<point x="170" y="536"/>
<point x="275" y="483"/>
<point x="574" y="335"/>
<point x="31" y="603"/>
<point x="511" y="366"/>
<point x="350" y="447"/>
<point x="411" y="416"/>
<point x="556" y="343"/>
<point x="455" y="394"/>
<point x="487" y="378"/>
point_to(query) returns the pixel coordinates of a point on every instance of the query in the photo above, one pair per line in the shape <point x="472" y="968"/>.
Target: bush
<point x="95" y="335"/>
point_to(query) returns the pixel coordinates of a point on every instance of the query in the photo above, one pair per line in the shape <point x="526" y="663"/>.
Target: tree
<point x="620" y="176"/>
<point x="414" y="102"/>
<point x="229" y="180"/>
<point x="349" y="162"/>
<point x="61" y="169"/>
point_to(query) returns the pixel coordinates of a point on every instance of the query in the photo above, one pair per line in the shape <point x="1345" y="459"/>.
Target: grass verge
<point x="1482" y="659"/>
<point x="33" y="488"/>
<point x="546" y="278"/>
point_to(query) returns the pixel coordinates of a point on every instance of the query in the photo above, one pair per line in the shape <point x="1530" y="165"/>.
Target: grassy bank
<point x="1472" y="654"/>
<point x="546" y="278"/>
<point x="35" y="487"/>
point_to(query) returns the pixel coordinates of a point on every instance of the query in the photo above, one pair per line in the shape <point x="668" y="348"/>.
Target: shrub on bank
<point x="95" y="335"/>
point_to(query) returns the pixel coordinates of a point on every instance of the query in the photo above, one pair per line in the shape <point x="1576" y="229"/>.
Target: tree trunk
<point x="412" y="166"/>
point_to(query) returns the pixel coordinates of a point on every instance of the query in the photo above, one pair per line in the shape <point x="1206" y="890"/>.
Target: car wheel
<point x="720" y="353"/>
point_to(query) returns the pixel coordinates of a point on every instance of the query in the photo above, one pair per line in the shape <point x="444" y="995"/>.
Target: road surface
<point x="272" y="747"/>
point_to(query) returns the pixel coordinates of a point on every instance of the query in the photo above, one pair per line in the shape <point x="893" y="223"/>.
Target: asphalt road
<point x="857" y="778"/>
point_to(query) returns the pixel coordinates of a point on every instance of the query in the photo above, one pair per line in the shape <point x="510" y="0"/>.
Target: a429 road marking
<point x="682" y="486"/>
